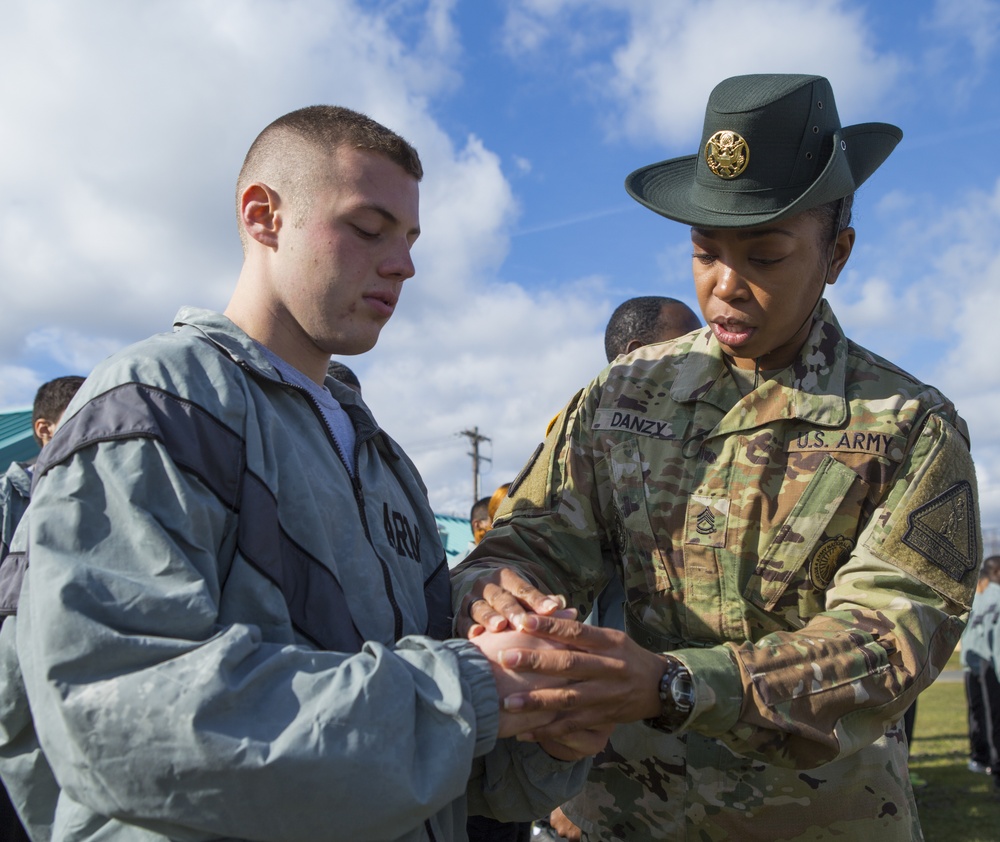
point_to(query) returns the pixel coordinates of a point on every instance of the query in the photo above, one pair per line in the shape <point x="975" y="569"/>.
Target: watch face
<point x="682" y="689"/>
<point x="676" y="697"/>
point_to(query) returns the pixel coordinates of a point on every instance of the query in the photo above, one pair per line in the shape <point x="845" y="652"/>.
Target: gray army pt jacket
<point x="15" y="491"/>
<point x="223" y="635"/>
<point x="809" y="550"/>
<point x="981" y="638"/>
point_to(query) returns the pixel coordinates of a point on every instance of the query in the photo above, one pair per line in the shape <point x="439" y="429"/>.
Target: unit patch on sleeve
<point x="944" y="531"/>
<point x="827" y="559"/>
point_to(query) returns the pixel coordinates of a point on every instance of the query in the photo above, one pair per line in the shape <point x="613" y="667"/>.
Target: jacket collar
<point x="812" y="388"/>
<point x="237" y="344"/>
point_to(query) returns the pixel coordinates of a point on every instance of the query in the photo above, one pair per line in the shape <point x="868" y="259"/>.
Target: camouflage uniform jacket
<point x="808" y="550"/>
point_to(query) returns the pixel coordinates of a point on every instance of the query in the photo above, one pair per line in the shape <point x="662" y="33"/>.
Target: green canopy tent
<point x="456" y="535"/>
<point x="17" y="443"/>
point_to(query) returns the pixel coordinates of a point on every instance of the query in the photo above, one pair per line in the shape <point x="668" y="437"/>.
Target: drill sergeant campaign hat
<point x="772" y="147"/>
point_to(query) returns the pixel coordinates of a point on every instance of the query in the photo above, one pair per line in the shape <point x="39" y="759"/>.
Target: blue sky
<point x="123" y="135"/>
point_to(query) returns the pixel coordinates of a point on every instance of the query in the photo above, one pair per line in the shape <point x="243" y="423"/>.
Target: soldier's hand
<point x="501" y="600"/>
<point x="612" y="678"/>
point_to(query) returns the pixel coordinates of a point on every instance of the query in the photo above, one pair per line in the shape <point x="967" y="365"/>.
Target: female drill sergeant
<point x="793" y="517"/>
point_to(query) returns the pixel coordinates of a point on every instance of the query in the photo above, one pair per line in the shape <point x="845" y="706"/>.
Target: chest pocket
<point x="820" y="529"/>
<point x="645" y="562"/>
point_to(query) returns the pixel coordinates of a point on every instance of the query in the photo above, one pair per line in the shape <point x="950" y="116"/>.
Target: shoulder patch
<point x="530" y="489"/>
<point x="527" y="468"/>
<point x="928" y="525"/>
<point x="944" y="531"/>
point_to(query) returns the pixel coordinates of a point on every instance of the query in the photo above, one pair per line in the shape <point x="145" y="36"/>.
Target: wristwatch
<point x="676" y="697"/>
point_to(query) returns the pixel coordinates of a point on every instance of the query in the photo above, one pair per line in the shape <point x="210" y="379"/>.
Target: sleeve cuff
<point x="718" y="689"/>
<point x="477" y="679"/>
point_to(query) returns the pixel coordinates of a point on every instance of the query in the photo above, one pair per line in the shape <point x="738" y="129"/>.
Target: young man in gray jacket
<point x="235" y="615"/>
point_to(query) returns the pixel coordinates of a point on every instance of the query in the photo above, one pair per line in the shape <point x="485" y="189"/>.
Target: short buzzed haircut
<point x="53" y="397"/>
<point x="639" y="318"/>
<point x="279" y="154"/>
<point x="480" y="509"/>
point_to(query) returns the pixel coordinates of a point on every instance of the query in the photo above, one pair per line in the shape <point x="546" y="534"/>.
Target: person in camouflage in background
<point x="794" y="519"/>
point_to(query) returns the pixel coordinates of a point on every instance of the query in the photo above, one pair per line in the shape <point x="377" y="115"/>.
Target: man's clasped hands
<point x="562" y="684"/>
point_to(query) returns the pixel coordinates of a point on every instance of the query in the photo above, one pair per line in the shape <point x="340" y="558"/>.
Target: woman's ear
<point x="842" y="249"/>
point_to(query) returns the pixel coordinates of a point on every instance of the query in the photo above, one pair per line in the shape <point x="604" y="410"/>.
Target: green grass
<point x="956" y="805"/>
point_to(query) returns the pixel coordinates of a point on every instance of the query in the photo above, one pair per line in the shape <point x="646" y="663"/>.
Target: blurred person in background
<point x="979" y="656"/>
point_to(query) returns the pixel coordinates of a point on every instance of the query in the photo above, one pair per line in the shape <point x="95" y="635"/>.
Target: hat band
<point x="750" y="202"/>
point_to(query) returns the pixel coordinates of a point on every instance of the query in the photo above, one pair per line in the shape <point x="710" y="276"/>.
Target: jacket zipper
<point x="359" y="500"/>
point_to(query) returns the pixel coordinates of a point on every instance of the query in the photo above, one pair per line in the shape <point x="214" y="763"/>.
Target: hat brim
<point x="669" y="187"/>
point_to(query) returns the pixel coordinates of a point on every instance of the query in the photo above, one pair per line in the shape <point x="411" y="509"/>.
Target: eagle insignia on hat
<point x="794" y="169"/>
<point x="727" y="154"/>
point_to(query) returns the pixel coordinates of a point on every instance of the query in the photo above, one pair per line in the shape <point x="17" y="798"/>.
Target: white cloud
<point x="872" y="305"/>
<point x="522" y="165"/>
<point x="969" y="270"/>
<point x="505" y="360"/>
<point x="964" y="39"/>
<point x="924" y="296"/>
<point x="139" y="116"/>
<point x="467" y="207"/>
<point x="658" y="80"/>
<point x="127" y="128"/>
<point x="18" y="385"/>
<point x="525" y="28"/>
<point x="77" y="352"/>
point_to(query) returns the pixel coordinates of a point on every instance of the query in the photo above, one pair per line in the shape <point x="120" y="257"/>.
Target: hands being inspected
<point x="562" y="683"/>
<point x="511" y="683"/>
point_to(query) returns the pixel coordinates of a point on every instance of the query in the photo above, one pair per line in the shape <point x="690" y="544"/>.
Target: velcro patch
<point x="944" y="531"/>
<point x="928" y="525"/>
<point x="530" y="489"/>
<point x="516" y="484"/>
<point x="707" y="520"/>
<point x="636" y="423"/>
<point x="848" y="441"/>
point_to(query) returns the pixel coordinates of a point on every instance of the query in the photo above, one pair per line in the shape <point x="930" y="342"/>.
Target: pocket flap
<point x="799" y="534"/>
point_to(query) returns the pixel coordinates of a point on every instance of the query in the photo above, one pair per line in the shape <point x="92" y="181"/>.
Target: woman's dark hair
<point x="830" y="213"/>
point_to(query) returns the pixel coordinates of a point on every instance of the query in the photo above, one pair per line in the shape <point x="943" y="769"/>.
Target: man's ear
<point x="261" y="214"/>
<point x="633" y="345"/>
<point x="44" y="430"/>
<point x="842" y="249"/>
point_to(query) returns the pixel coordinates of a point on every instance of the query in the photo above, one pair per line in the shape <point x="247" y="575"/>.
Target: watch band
<point x="676" y="692"/>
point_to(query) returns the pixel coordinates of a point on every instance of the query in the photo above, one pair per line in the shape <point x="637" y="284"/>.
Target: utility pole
<point x="474" y="436"/>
